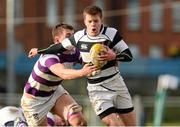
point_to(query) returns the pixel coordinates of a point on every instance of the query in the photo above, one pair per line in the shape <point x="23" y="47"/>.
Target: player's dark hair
<point x="58" y="28"/>
<point x="93" y="10"/>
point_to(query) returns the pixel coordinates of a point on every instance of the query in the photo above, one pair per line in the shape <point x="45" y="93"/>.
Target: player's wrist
<point x="118" y="56"/>
<point x="82" y="73"/>
<point x="114" y="56"/>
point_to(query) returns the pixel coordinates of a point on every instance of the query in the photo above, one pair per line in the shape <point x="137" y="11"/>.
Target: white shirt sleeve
<point x="66" y="43"/>
<point x="121" y="46"/>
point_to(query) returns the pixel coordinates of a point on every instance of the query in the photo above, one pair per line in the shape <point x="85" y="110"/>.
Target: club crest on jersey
<point x="84" y="47"/>
<point x="36" y="116"/>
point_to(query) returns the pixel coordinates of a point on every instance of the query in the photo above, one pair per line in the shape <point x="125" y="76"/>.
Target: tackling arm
<point x="55" y="48"/>
<point x="67" y="74"/>
<point x="66" y="44"/>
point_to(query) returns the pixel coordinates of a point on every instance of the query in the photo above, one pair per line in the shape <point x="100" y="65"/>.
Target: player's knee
<point x="82" y="122"/>
<point x="113" y="120"/>
<point x="113" y="123"/>
<point x="75" y="116"/>
<point x="78" y="121"/>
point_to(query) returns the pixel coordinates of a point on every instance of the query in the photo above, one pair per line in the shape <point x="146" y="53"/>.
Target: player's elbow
<point x="128" y="55"/>
<point x="130" y="58"/>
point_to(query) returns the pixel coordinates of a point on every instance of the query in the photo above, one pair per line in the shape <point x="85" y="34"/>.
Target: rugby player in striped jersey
<point x="43" y="91"/>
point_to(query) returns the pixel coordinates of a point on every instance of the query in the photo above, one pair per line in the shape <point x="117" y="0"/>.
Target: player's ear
<point x="56" y="39"/>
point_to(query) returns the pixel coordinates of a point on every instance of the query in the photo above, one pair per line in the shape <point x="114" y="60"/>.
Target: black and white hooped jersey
<point x="108" y="36"/>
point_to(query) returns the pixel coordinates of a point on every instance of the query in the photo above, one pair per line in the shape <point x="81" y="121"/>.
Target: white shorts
<point x="36" y="108"/>
<point x="109" y="93"/>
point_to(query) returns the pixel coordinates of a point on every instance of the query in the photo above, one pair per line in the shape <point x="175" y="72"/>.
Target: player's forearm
<point x="124" y="56"/>
<point x="68" y="74"/>
<point x="53" y="49"/>
<point x="65" y="73"/>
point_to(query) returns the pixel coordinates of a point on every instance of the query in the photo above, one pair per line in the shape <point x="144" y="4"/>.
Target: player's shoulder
<point x="79" y="34"/>
<point x="9" y="113"/>
<point x="110" y="27"/>
<point x="110" y="30"/>
<point x="46" y="60"/>
<point x="81" y="31"/>
<point x="49" y="57"/>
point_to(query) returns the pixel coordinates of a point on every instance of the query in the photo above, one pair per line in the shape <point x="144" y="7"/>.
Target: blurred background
<point x="151" y="28"/>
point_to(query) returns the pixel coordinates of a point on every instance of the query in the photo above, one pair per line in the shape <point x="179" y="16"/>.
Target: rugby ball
<point x="95" y="51"/>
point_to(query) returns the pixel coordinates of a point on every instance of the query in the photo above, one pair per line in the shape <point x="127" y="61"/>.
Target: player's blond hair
<point x="58" y="28"/>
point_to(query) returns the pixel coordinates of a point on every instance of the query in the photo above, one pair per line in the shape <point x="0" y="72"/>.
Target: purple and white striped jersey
<point x="42" y="82"/>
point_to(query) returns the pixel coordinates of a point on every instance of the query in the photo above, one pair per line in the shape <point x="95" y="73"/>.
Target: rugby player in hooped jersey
<point x="13" y="116"/>
<point x="43" y="91"/>
<point x="107" y="91"/>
